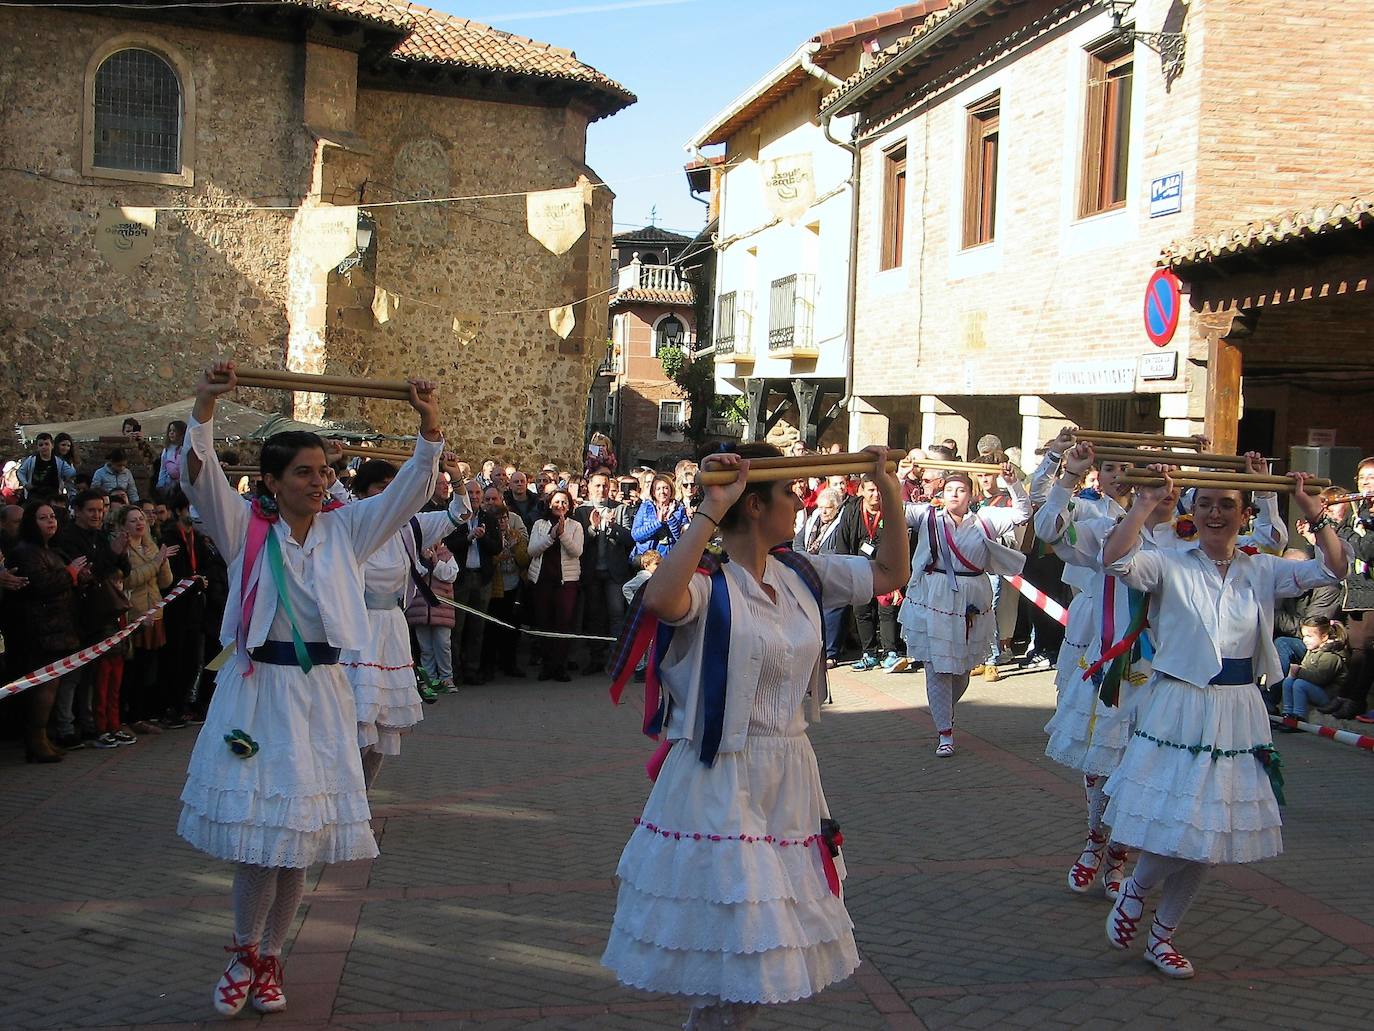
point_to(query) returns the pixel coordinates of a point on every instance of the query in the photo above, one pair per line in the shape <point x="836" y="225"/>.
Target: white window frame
<point x="682" y="409"/>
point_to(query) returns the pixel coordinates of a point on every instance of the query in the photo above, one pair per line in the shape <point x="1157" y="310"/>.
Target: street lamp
<point x="367" y="231"/>
<point x="1170" y="46"/>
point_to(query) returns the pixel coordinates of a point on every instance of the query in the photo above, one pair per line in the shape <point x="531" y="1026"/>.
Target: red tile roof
<point x="434" y="37"/>
<point x="877" y="22"/>
<point x="648" y="295"/>
<point x="1347" y="214"/>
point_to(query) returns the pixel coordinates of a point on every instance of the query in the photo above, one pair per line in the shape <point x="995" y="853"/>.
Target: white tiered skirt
<point x="1084" y="734"/>
<point x="935" y="627"/>
<point x="1173" y="796"/>
<point x="723" y="893"/>
<point x="384" y="685"/>
<point x="300" y="800"/>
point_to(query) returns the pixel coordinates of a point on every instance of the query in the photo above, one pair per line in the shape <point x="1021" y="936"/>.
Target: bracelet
<point x="708" y="515"/>
<point x="1321" y="524"/>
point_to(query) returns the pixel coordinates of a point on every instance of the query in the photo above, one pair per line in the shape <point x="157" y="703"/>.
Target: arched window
<point x="139" y="105"/>
<point x="670" y="332"/>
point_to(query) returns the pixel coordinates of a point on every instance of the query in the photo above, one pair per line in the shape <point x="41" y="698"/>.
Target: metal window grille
<point x="725" y="324"/>
<point x="137" y="113"/>
<point x="791" y="302"/>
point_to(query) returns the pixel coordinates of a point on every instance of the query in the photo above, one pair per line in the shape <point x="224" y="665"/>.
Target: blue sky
<point x="684" y="59"/>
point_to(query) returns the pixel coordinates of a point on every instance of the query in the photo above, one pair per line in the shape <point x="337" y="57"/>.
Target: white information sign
<point x="1096" y="376"/>
<point x="1166" y="195"/>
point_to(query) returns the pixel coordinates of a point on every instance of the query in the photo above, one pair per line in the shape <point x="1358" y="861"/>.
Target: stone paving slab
<point x="501" y="824"/>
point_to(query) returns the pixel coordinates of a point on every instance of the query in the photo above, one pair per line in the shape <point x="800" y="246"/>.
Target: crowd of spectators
<point x="89" y="546"/>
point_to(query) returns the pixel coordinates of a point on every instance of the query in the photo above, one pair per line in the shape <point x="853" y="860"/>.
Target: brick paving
<point x="500" y="828"/>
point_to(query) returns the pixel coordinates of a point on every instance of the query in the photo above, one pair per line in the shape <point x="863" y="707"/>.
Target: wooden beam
<point x="1223" y="393"/>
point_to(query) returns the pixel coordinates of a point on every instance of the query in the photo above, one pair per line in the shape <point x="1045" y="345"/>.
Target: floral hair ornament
<point x="241" y="744"/>
<point x="1184" y="528"/>
<point x="265" y="507"/>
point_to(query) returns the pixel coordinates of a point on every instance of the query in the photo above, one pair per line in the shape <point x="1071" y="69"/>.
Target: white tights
<point x="265" y="900"/>
<point x="1181" y="879"/>
<point x="1097" y="800"/>
<point x="942" y="691"/>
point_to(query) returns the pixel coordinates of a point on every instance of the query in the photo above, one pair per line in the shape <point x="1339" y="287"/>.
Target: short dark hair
<point x="371" y="472"/>
<point x="280" y="450"/>
<point x="756" y="449"/>
<point x="177" y="500"/>
<point x="85" y="497"/>
<point x="115" y="454"/>
<point x="42" y="436"/>
<point x="131" y="423"/>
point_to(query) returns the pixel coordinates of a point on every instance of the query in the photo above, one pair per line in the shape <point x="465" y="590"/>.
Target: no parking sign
<point x="1162" y="304"/>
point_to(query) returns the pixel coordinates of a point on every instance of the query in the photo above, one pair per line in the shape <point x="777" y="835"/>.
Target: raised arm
<point x="666" y="594"/>
<point x="892" y="563"/>
<point x="224" y="513"/>
<point x="372" y="522"/>
<point x="1270" y="530"/>
<point x="1125" y="539"/>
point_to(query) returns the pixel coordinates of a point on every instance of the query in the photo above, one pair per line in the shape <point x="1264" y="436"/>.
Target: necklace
<point x="1219" y="562"/>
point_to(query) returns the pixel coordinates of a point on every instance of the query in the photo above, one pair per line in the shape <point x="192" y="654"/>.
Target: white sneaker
<point x="945" y="748"/>
<point x="900" y="666"/>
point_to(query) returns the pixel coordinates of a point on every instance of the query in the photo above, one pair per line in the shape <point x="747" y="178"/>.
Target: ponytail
<point x="1333" y="630"/>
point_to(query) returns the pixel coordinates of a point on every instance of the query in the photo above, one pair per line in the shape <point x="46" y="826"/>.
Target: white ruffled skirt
<point x="1084" y="734"/>
<point x="723" y="893"/>
<point x="1189" y="784"/>
<point x="300" y="799"/>
<point x="384" y="685"/>
<point x="936" y="628"/>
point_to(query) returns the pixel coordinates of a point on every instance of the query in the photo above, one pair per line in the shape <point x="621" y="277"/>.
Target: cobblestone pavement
<point x="501" y="824"/>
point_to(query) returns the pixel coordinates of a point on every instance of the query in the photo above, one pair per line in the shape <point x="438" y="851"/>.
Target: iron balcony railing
<point x="734" y="325"/>
<point x="791" y="313"/>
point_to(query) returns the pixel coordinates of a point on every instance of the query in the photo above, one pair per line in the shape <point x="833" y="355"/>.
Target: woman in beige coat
<point x="149" y="575"/>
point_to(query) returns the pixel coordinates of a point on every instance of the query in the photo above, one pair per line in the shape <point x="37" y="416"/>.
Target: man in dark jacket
<point x="475" y="545"/>
<point x="859" y="532"/>
<point x="183" y="657"/>
<point x="105" y="554"/>
<point x="605" y="566"/>
<point x="524" y="502"/>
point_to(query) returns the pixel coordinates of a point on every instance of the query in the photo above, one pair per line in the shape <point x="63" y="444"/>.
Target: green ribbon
<point x="1272" y="762"/>
<point x="274" y="559"/>
<point x="1110" y="691"/>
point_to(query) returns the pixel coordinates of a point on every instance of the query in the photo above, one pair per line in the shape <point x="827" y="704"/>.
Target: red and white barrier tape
<point x="1040" y="599"/>
<point x="1345" y="737"/>
<point x="62" y="667"/>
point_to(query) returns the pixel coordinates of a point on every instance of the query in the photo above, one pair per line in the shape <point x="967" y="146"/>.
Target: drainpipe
<point x="851" y="297"/>
<point x="811" y="68"/>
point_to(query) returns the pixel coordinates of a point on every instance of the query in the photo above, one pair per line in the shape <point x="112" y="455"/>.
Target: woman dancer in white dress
<point x="729" y="895"/>
<point x="275" y="782"/>
<point x="383" y="676"/>
<point x="947" y="617"/>
<point x="1191" y="789"/>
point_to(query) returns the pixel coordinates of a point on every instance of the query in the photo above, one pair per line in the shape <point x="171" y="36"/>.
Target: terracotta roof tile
<point x="646" y="295"/>
<point x="1345" y="214"/>
<point x="877" y="22"/>
<point x="438" y="38"/>
<point x="885" y="56"/>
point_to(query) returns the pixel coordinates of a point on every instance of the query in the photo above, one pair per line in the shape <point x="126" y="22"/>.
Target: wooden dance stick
<point x="720" y="477"/>
<point x="1243" y="479"/>
<point x="961" y="467"/>
<point x="1148" y="479"/>
<point x="1127" y="439"/>
<point x="367" y="452"/>
<point x="388" y="390"/>
<point x="860" y="458"/>
<point x="1142" y="456"/>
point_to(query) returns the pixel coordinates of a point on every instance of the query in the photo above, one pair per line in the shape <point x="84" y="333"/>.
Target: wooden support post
<point x="1223" y="394"/>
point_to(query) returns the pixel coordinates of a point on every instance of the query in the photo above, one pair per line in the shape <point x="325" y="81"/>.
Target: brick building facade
<point x="312" y="103"/>
<point x="1025" y="165"/>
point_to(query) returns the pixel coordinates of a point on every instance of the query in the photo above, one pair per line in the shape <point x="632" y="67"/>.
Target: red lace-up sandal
<point x="1160" y="953"/>
<point x="1121" y="924"/>
<point x="1084" y="870"/>
<point x="1115" y="870"/>
<point x="267" y="995"/>
<point x="232" y="991"/>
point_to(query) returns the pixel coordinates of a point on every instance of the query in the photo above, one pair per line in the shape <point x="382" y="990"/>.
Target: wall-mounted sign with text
<point x="1095" y="376"/>
<point x="1158" y="365"/>
<point x="1166" y="195"/>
